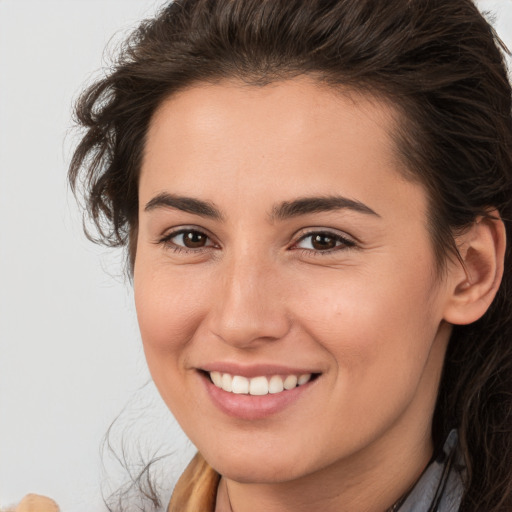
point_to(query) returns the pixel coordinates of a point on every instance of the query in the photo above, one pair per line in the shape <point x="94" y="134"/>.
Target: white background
<point x="70" y="354"/>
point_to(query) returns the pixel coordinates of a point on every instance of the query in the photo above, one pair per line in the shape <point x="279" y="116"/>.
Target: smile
<point x="257" y="386"/>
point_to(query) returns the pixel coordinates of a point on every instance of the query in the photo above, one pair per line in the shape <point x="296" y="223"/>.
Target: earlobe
<point x="474" y="285"/>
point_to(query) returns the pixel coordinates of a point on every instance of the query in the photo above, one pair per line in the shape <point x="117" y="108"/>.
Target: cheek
<point x="168" y="313"/>
<point x="168" y="310"/>
<point x="365" y="308"/>
<point x="378" y="329"/>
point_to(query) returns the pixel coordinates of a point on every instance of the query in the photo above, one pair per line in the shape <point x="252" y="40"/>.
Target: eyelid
<point x="178" y="230"/>
<point x="308" y="230"/>
<point x="347" y="241"/>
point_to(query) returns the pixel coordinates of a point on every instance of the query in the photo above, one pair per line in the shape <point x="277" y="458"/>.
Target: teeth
<point x="227" y="382"/>
<point x="257" y="386"/>
<point x="275" y="385"/>
<point x="290" y="382"/>
<point x="304" y="378"/>
<point x="240" y="385"/>
<point x="216" y="378"/>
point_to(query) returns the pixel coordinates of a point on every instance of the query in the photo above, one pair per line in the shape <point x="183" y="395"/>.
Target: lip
<point x="256" y="370"/>
<point x="249" y="407"/>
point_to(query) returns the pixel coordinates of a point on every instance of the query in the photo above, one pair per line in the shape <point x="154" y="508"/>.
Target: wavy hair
<point x="438" y="62"/>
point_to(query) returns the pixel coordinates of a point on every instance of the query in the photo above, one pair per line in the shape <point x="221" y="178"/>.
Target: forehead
<point x="296" y="135"/>
<point x="299" y="105"/>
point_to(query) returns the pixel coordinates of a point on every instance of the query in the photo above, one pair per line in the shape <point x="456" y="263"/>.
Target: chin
<point x="258" y="474"/>
<point x="260" y="468"/>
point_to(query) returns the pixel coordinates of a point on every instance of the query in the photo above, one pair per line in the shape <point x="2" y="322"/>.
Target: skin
<point x="369" y="316"/>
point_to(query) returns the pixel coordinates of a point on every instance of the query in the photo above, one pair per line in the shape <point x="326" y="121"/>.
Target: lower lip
<point x="249" y="407"/>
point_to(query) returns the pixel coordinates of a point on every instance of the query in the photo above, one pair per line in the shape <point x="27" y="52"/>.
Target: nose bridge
<point x="249" y="307"/>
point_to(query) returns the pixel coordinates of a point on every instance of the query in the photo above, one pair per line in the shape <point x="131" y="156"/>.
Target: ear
<point x="474" y="284"/>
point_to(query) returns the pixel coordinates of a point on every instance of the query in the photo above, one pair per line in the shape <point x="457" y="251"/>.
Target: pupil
<point x="323" y="242"/>
<point x="193" y="239"/>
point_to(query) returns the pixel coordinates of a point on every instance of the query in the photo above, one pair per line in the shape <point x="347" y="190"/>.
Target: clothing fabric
<point x="439" y="488"/>
<point x="196" y="490"/>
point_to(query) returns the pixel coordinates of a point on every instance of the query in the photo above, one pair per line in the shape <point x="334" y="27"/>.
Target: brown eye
<point x="194" y="239"/>
<point x="322" y="242"/>
<point x="188" y="239"/>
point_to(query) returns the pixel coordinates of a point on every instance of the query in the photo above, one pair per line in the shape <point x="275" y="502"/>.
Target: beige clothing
<point x="196" y="490"/>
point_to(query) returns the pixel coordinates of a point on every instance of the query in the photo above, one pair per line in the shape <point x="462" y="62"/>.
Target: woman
<point x="315" y="198"/>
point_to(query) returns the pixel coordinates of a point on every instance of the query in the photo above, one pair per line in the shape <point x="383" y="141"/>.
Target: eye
<point x="190" y="239"/>
<point x="321" y="241"/>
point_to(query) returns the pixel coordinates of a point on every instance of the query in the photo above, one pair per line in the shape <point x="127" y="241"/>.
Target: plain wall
<point x="70" y="353"/>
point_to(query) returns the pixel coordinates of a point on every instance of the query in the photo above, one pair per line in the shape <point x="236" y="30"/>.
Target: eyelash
<point x="166" y="241"/>
<point x="344" y="243"/>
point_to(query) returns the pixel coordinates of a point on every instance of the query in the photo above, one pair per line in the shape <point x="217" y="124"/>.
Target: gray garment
<point x="441" y="486"/>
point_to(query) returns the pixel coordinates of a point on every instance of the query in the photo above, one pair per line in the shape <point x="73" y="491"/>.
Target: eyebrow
<point x="306" y="205"/>
<point x="283" y="211"/>
<point x="185" y="204"/>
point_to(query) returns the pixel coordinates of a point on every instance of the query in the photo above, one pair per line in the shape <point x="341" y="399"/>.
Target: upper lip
<point x="255" y="370"/>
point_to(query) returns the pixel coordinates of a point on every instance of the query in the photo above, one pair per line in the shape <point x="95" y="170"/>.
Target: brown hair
<point x="437" y="61"/>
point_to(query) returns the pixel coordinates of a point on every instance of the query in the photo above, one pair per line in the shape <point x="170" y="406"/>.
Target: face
<point x="282" y="255"/>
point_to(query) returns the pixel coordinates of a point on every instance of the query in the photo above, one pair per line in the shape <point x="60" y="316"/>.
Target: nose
<point x="249" y="306"/>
